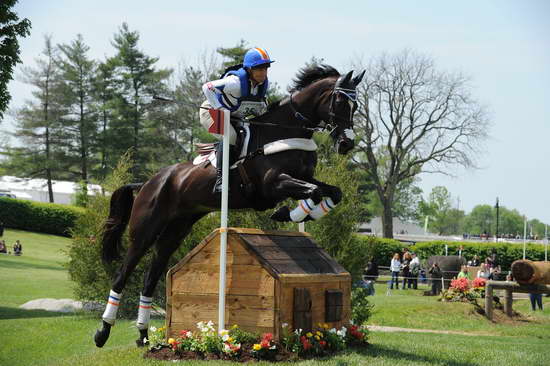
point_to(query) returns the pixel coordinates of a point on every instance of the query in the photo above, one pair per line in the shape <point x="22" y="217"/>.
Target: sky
<point x="504" y="46"/>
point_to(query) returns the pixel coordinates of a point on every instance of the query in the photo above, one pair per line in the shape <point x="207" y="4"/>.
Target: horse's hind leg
<point x="142" y="238"/>
<point x="166" y="245"/>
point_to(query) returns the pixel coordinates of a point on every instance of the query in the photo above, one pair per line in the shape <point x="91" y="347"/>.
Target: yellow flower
<point x="309" y="335"/>
<point x="230" y="339"/>
<point x="171" y="341"/>
<point x="317" y="337"/>
<point x="235" y="326"/>
<point x="325" y="325"/>
<point x="257" y="347"/>
<point x="319" y="334"/>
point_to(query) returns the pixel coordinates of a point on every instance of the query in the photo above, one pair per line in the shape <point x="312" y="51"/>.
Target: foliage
<point x="443" y="219"/>
<point x="361" y="309"/>
<point x="462" y="290"/>
<point x="11" y="28"/>
<point x="40" y="217"/>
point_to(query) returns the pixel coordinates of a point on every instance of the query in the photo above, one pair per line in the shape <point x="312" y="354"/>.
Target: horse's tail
<point x="122" y="201"/>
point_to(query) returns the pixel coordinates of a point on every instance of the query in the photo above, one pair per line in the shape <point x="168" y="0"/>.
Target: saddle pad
<point x="289" y="144"/>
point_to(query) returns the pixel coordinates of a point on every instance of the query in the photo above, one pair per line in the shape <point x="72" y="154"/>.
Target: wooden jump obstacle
<point x="273" y="277"/>
<point x="510" y="288"/>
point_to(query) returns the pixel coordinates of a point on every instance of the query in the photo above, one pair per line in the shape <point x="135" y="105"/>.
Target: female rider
<point x="242" y="92"/>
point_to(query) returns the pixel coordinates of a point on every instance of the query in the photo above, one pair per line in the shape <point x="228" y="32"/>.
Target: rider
<point x="242" y="91"/>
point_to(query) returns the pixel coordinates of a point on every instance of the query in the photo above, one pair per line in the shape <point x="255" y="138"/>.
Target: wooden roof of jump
<point x="281" y="253"/>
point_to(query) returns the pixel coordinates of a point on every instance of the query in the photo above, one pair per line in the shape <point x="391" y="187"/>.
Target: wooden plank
<point x="489" y="302"/>
<point x="232" y="302"/>
<point x="280" y="241"/>
<point x="277" y="303"/>
<point x="313" y="278"/>
<point x="194" y="251"/>
<point x="252" y="231"/>
<point x="508" y="303"/>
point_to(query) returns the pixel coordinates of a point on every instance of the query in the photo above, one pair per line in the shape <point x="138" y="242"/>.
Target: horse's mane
<point x="310" y="74"/>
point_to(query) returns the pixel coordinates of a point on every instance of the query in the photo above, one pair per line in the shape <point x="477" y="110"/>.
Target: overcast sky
<point x="503" y="45"/>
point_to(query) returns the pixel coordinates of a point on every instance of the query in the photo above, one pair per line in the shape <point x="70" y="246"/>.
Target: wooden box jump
<point x="273" y="277"/>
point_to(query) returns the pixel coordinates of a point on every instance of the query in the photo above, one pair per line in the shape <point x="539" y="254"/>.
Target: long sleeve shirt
<point x="395" y="265"/>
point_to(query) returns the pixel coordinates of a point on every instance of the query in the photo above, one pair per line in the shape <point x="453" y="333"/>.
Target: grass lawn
<point x="35" y="337"/>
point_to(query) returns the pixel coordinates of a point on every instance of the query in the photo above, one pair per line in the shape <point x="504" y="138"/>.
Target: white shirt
<point x="229" y="88"/>
<point x="395" y="265"/>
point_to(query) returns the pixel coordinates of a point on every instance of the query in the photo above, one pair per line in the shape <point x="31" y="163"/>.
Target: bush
<point x="50" y="218"/>
<point x="360" y="308"/>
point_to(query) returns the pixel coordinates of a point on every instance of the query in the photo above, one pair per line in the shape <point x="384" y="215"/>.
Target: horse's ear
<point x="358" y="78"/>
<point x="344" y="80"/>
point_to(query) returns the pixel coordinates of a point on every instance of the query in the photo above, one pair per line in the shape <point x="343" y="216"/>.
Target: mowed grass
<point x="35" y="337"/>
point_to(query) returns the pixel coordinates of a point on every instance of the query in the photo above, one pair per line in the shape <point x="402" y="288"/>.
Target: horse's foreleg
<point x="333" y="196"/>
<point x="309" y="194"/>
<point x="166" y="245"/>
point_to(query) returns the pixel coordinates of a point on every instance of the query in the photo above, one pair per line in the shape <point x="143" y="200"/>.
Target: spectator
<point x="463" y="272"/>
<point x="370" y="274"/>
<point x="474" y="262"/>
<point x="406" y="269"/>
<point x="1" y="229"/>
<point x="436" y="276"/>
<point x="395" y="267"/>
<point x="415" y="270"/>
<point x="17" y="248"/>
<point x="536" y="299"/>
<point x="484" y="272"/>
<point x="3" y="248"/>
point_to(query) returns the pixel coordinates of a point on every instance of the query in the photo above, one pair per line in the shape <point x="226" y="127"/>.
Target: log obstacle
<point x="528" y="272"/>
<point x="274" y="279"/>
<point x="510" y="288"/>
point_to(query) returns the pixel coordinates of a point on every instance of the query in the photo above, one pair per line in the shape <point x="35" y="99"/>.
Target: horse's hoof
<point x="102" y="335"/>
<point x="281" y="215"/>
<point x="143" y="340"/>
<point x="308" y="218"/>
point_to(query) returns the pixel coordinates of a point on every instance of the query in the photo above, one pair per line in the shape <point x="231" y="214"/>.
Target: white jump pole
<point x="223" y="224"/>
<point x="524" y="236"/>
<point x="302" y="227"/>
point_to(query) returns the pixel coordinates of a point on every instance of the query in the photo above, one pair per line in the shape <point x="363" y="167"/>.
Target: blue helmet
<point x="255" y="57"/>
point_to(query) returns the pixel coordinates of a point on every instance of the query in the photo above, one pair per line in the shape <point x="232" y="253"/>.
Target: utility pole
<point x="496" y="233"/>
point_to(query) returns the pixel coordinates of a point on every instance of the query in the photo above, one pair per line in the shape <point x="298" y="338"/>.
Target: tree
<point x="37" y="123"/>
<point x="78" y="119"/>
<point x="232" y="55"/>
<point x="444" y="219"/>
<point x="406" y="202"/>
<point x="413" y="119"/>
<point x="10" y="29"/>
<point x="136" y="81"/>
<point x="481" y="220"/>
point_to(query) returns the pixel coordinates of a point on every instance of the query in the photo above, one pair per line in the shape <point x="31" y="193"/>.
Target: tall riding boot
<point x="219" y="164"/>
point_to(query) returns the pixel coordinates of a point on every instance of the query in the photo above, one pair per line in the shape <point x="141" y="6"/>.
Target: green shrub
<point x="40" y="217"/>
<point x="361" y="310"/>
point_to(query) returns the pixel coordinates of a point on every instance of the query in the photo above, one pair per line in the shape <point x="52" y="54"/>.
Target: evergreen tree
<point x="37" y="124"/>
<point x="78" y="119"/>
<point x="10" y="29"/>
<point x="136" y="81"/>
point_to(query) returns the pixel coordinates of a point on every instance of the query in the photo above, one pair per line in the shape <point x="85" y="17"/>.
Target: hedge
<point x="355" y="257"/>
<point x="40" y="217"/>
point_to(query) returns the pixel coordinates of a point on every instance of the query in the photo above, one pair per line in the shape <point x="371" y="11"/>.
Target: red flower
<point x="303" y="338"/>
<point x="322" y="343"/>
<point x="264" y="343"/>
<point x="183" y="333"/>
<point x="306" y="345"/>
<point x="479" y="282"/>
<point x="267" y="337"/>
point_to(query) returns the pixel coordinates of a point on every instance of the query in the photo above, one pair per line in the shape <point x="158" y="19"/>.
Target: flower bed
<point x="464" y="290"/>
<point x="238" y="345"/>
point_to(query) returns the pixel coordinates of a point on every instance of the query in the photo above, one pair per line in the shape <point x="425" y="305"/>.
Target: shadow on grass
<point x="389" y="353"/>
<point x="13" y="264"/>
<point x="15" y="313"/>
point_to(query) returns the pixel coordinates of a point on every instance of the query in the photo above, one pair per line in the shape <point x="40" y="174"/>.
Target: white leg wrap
<point x="322" y="209"/>
<point x="112" y="307"/>
<point x="144" y="313"/>
<point x="302" y="210"/>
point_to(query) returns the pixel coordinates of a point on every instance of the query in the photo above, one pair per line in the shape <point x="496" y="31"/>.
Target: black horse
<point x="167" y="206"/>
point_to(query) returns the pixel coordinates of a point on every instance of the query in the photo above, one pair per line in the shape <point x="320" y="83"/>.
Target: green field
<point x="35" y="337"/>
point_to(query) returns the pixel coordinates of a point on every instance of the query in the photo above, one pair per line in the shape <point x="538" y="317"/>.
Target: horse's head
<point x="342" y="106"/>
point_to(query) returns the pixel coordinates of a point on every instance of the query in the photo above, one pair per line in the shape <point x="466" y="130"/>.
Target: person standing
<point x="436" y="276"/>
<point x="370" y="274"/>
<point x="536" y="299"/>
<point x="395" y="268"/>
<point x="406" y="269"/>
<point x="415" y="270"/>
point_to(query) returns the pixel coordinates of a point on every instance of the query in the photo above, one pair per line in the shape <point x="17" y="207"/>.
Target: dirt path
<point x="379" y="328"/>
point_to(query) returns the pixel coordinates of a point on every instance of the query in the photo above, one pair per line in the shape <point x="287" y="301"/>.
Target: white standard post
<point x="524" y="236"/>
<point x="223" y="224"/>
<point x="302" y="227"/>
<point x="446" y="250"/>
<point x="546" y="243"/>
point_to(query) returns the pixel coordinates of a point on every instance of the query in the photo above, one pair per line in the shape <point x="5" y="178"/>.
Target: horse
<point x="281" y="165"/>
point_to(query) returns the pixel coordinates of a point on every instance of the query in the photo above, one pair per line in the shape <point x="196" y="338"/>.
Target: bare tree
<point x="414" y="119"/>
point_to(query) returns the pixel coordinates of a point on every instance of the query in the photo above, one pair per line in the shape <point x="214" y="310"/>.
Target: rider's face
<point x="258" y="74"/>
